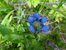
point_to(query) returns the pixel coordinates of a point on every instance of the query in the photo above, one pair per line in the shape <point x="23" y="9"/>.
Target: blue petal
<point x="31" y="28"/>
<point x="36" y="15"/>
<point x="43" y="19"/>
<point x="31" y="19"/>
<point x="45" y="28"/>
<point x="41" y="24"/>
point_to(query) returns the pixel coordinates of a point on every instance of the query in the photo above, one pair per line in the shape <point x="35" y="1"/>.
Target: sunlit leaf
<point x="6" y="20"/>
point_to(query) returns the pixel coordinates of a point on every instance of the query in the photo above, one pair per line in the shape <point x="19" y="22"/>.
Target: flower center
<point x="37" y="25"/>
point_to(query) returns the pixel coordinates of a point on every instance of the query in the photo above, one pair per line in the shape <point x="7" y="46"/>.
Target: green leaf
<point x="29" y="3"/>
<point x="6" y="20"/>
<point x="4" y="30"/>
<point x="35" y="2"/>
<point x="10" y="19"/>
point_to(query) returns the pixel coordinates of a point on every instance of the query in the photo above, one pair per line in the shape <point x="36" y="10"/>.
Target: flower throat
<point x="37" y="25"/>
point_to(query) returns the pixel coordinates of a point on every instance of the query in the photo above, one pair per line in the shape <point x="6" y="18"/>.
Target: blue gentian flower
<point x="36" y="17"/>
